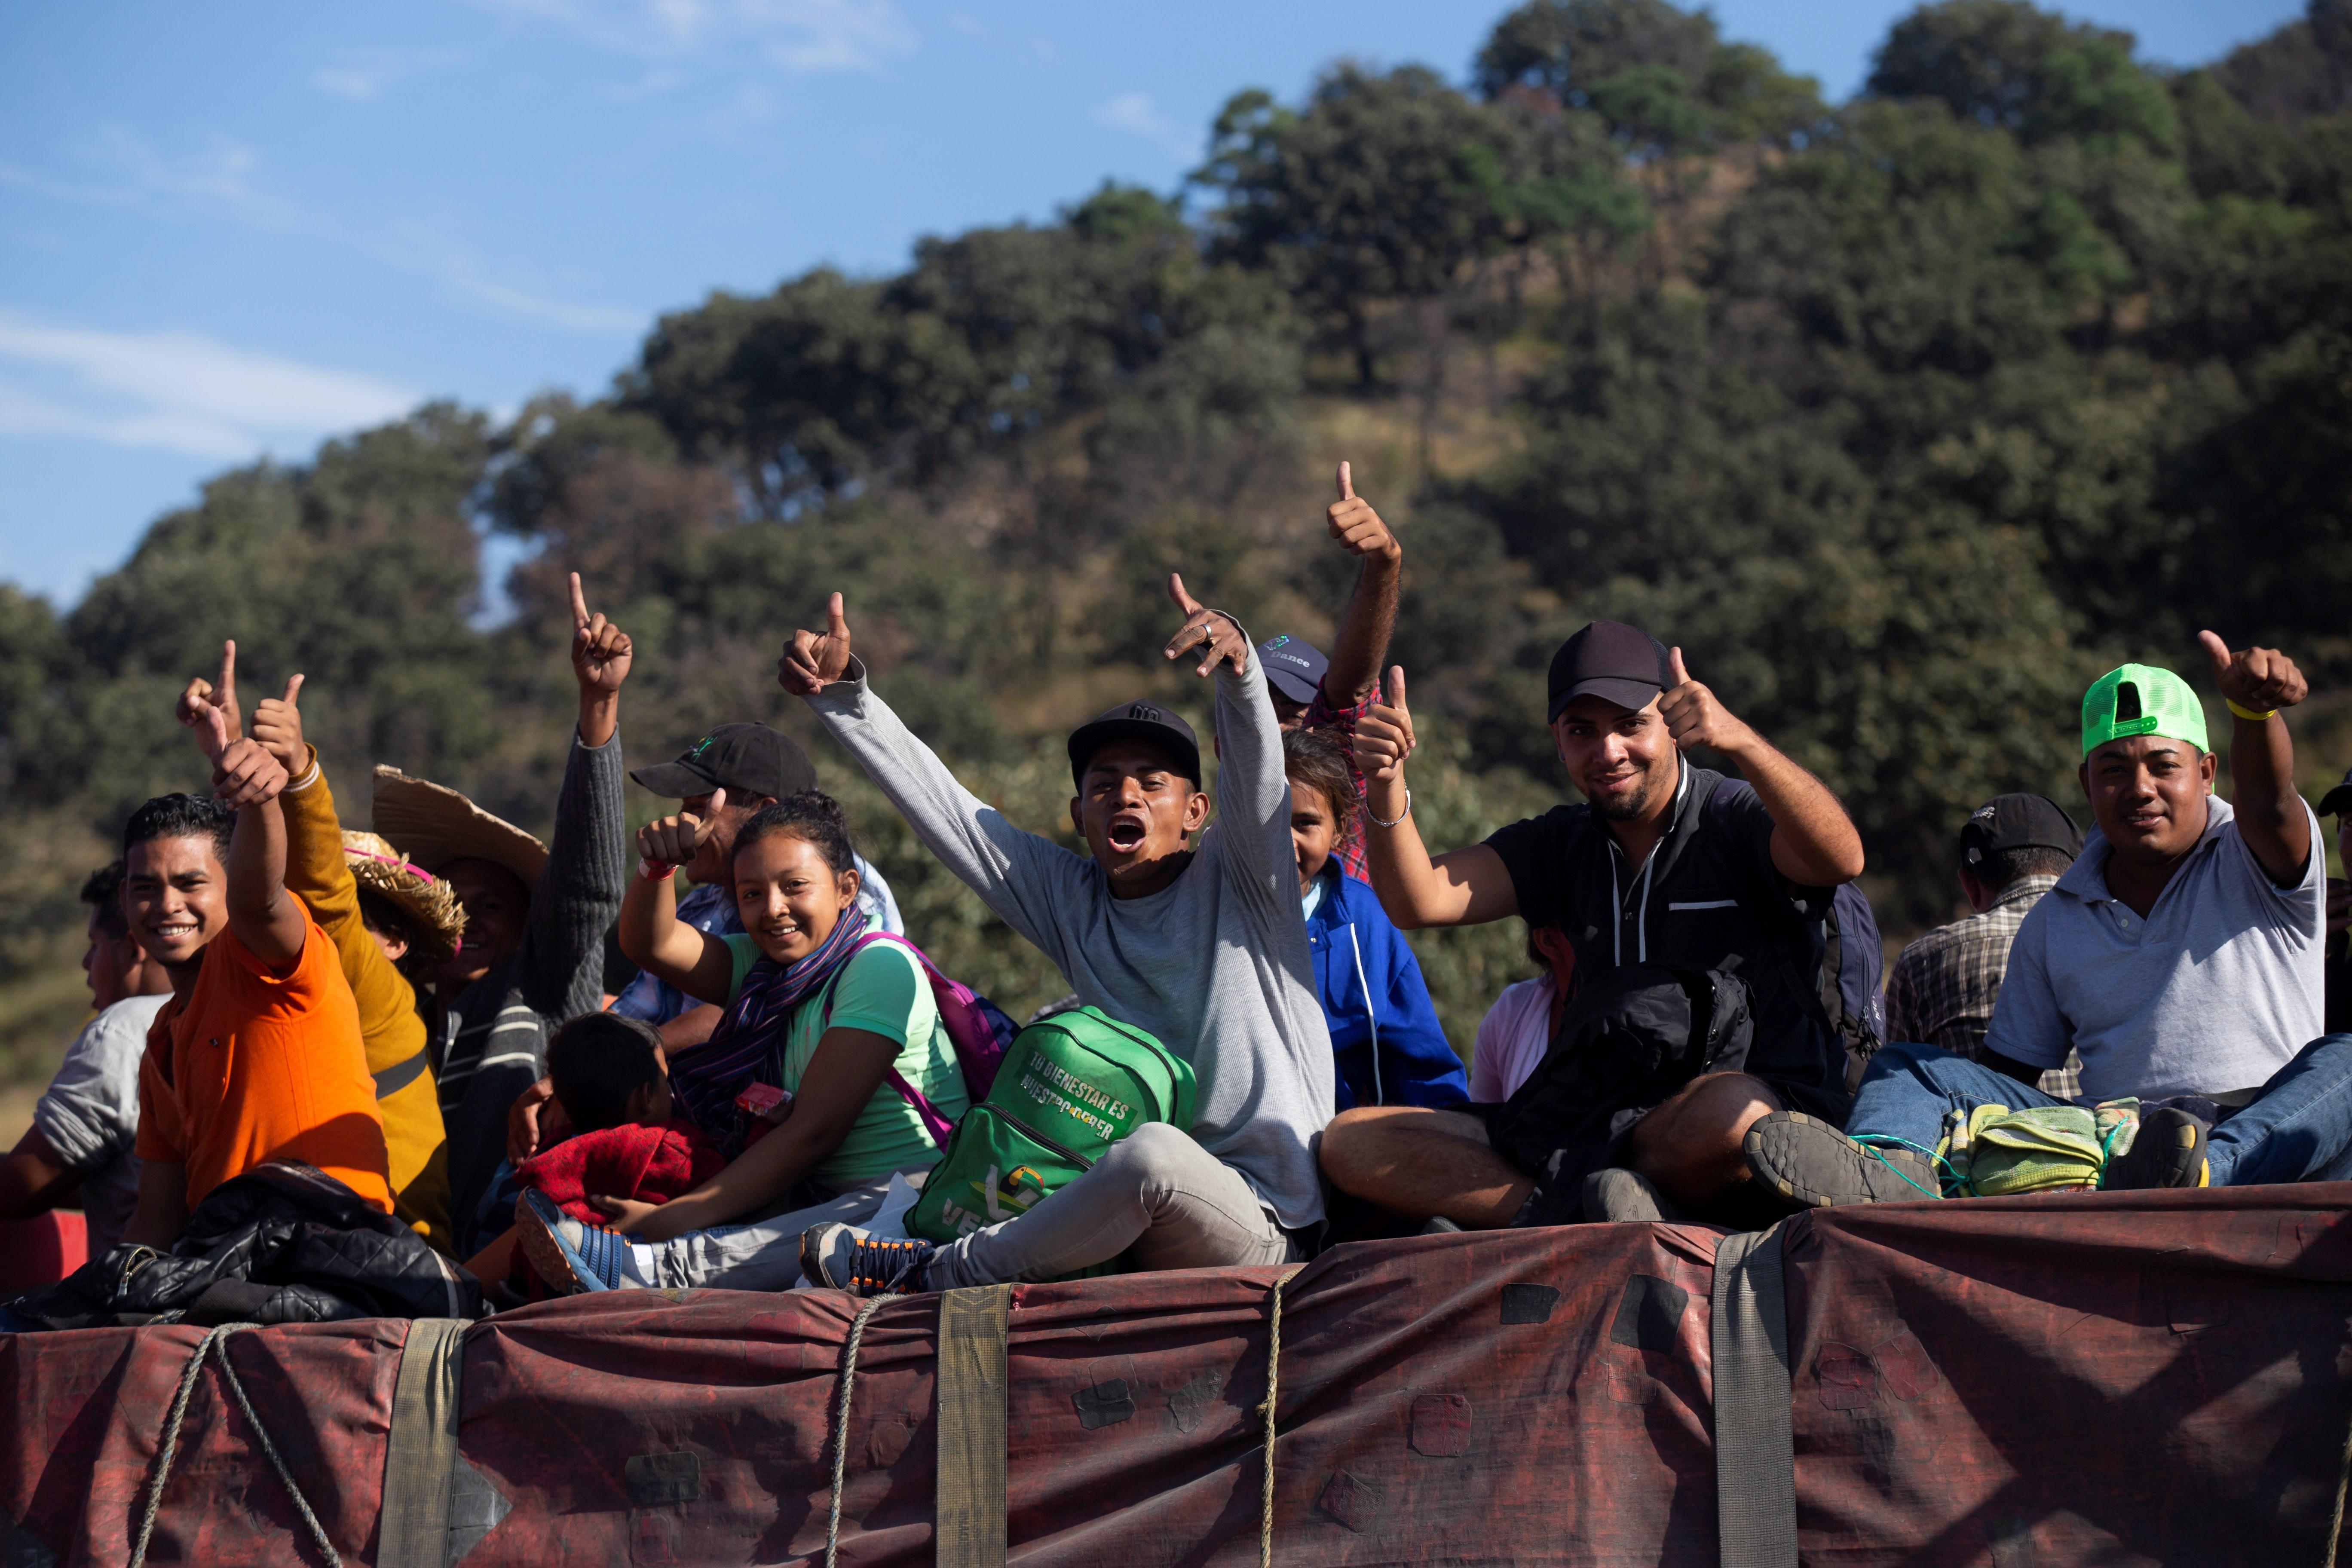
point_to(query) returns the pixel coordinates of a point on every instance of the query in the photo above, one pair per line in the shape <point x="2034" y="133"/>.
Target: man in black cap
<point x="723" y="778"/>
<point x="1312" y="692"/>
<point x="2013" y="849"/>
<point x="2337" y="803"/>
<point x="1666" y="864"/>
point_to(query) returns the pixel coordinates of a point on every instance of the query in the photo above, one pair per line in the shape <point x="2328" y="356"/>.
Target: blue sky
<point x="231" y="230"/>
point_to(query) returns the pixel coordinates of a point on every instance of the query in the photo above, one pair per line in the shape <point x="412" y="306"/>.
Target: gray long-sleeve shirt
<point x="1215" y="964"/>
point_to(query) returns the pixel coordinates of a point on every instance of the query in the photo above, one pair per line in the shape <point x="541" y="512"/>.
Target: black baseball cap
<point x="747" y="758"/>
<point x="1135" y="721"/>
<point x="1611" y="660"/>
<point x="2338" y="801"/>
<point x="1293" y="668"/>
<point x="2008" y="822"/>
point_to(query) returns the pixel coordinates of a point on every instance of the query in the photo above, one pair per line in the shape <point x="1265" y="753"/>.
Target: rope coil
<point x="841" y="1423"/>
<point x="216" y="1340"/>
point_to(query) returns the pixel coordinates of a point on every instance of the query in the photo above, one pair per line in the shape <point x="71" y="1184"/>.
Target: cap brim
<point x="1295" y="686"/>
<point x="2337" y="802"/>
<point x="1088" y="739"/>
<point x="674" y="780"/>
<point x="1634" y="694"/>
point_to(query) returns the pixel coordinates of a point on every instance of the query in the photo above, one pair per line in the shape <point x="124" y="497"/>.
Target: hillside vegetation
<point x="1903" y="417"/>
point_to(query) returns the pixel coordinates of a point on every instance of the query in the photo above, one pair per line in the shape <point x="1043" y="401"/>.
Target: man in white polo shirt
<point x="2180" y="955"/>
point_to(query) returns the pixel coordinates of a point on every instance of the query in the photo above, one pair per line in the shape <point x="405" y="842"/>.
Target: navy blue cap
<point x="1135" y="722"/>
<point x="1293" y="668"/>
<point x="1610" y="660"/>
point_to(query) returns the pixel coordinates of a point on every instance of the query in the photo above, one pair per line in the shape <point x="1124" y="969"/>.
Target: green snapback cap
<point x="2141" y="700"/>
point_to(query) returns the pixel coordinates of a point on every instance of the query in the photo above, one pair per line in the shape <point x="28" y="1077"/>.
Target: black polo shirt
<point x="1708" y="897"/>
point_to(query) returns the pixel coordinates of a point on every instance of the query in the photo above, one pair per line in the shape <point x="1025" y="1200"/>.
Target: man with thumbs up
<point x="2181" y="954"/>
<point x="1668" y="874"/>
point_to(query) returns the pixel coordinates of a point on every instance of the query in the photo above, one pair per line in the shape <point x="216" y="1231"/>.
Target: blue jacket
<point x="1370" y="982"/>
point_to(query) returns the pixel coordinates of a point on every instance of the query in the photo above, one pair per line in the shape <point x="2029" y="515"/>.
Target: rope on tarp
<point x="216" y="1340"/>
<point x="2335" y="1521"/>
<point x="841" y="1423"/>
<point x="1272" y="1378"/>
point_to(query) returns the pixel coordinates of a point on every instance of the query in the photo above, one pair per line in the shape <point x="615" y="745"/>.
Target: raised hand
<point x="601" y="651"/>
<point x="1694" y="716"/>
<point x="2259" y="679"/>
<point x="1384" y="737"/>
<point x="244" y="772"/>
<point x="1213" y="632"/>
<point x="1356" y="525"/>
<point x="278" y="727"/>
<point x="673" y="840"/>
<point x="203" y="696"/>
<point x="815" y="661"/>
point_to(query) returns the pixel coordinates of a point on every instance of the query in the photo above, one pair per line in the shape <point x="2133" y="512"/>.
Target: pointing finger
<point x="1184" y="601"/>
<point x="2218" y="650"/>
<point x="1675" y="666"/>
<point x="226" y="690"/>
<point x="579" y="603"/>
<point x="293" y="689"/>
<point x="1347" y="486"/>
<point x="836" y="622"/>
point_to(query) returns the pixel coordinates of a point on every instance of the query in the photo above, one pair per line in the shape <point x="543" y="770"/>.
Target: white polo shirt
<point x="2215" y="991"/>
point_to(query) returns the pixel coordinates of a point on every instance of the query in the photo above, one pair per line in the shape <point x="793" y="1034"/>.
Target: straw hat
<point x="439" y="825"/>
<point x="429" y="903"/>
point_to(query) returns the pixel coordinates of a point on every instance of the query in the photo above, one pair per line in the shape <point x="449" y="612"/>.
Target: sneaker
<point x="570" y="1256"/>
<point x="1810" y="1162"/>
<point x="2168" y="1151"/>
<point x="844" y="1258"/>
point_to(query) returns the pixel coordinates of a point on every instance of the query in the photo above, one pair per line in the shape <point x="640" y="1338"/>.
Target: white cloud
<point x="795" y="34"/>
<point x="362" y="78"/>
<point x="177" y="391"/>
<point x="1137" y="114"/>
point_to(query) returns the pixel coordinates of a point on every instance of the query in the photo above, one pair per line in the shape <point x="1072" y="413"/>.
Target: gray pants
<point x="1157" y="1191"/>
<point x="763" y="1256"/>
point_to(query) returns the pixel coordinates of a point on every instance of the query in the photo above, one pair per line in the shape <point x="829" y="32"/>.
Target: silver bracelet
<point x="1401" y="815"/>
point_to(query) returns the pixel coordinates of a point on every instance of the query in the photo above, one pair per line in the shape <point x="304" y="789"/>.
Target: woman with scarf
<point x="803" y="1084"/>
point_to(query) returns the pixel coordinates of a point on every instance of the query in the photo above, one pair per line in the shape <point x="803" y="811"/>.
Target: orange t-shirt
<point x="257" y="1066"/>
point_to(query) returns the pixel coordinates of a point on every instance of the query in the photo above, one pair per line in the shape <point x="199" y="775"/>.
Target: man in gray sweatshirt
<point x="1205" y="948"/>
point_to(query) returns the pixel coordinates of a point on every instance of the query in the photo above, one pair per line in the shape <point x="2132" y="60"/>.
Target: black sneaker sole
<point x="2168" y="1151"/>
<point x="1812" y="1164"/>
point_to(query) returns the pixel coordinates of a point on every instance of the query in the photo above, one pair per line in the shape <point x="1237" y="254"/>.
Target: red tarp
<point x="2100" y="1379"/>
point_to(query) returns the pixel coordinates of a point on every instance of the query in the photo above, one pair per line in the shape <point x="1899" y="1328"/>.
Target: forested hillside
<point x="1902" y="416"/>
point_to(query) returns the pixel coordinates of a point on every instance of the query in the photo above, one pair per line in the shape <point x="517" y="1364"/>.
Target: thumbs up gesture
<point x="815" y="661"/>
<point x="278" y="727"/>
<point x="2259" y="679"/>
<point x="1384" y="733"/>
<point x="244" y="772"/>
<point x="1694" y="717"/>
<point x="673" y="839"/>
<point x="601" y="651"/>
<point x="1213" y="632"/>
<point x="202" y="696"/>
<point x="1357" y="527"/>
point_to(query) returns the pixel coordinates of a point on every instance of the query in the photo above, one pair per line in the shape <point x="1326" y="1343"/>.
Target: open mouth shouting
<point x="1127" y="831"/>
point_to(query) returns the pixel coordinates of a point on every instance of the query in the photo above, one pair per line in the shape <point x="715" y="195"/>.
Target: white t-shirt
<point x="91" y="1114"/>
<point x="2215" y="991"/>
<point x="1512" y="1039"/>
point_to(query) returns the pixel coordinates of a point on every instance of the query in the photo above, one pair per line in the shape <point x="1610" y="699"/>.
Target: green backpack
<point x="1069" y="1087"/>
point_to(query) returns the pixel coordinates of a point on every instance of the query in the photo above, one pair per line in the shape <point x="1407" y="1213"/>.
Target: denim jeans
<point x="2297" y="1129"/>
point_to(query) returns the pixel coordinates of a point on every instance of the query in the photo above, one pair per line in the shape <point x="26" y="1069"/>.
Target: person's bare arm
<point x="33" y="1180"/>
<point x="691" y="1028"/>
<point x="1462" y="886"/>
<point x="652" y="935"/>
<point x="162" y="1209"/>
<point x="1814" y="843"/>
<point x="1355" y="671"/>
<point x="266" y="919"/>
<point x="2272" y="817"/>
<point x="848" y="1067"/>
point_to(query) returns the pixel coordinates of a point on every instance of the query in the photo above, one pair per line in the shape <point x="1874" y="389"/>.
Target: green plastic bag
<point x="1069" y="1087"/>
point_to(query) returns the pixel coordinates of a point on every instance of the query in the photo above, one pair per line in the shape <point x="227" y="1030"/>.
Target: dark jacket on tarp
<point x="1370" y="987"/>
<point x="284" y="1243"/>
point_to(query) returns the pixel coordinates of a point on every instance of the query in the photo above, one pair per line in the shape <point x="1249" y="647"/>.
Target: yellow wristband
<point x="2247" y="713"/>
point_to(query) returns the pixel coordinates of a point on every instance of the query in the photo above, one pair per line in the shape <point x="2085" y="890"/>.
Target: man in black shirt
<point x="1668" y="863"/>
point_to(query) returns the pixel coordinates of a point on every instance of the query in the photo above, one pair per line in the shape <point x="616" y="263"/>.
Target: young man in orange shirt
<point x="257" y="1055"/>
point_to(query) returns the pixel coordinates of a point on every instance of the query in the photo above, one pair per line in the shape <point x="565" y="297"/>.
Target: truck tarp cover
<point x="2072" y="1379"/>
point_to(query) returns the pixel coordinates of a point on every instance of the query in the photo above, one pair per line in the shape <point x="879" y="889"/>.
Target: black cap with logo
<point x="1293" y="668"/>
<point x="1135" y="721"/>
<point x="1610" y="660"/>
<point x="2008" y="821"/>
<point x="748" y="760"/>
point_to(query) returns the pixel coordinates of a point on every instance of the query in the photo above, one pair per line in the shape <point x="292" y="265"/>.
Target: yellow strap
<point x="970" y="1531"/>
<point x="2249" y="714"/>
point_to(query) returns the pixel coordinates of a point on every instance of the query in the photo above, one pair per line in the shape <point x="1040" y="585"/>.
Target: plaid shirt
<point x="1941" y="989"/>
<point x="1341" y="722"/>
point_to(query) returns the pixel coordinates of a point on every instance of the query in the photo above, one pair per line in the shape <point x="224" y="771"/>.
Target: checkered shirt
<point x="1941" y="989"/>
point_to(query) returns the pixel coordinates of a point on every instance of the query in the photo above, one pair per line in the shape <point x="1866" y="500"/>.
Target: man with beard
<point x="1668" y="867"/>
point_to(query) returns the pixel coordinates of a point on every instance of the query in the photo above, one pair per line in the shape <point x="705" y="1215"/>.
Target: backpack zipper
<point x="1025" y="1130"/>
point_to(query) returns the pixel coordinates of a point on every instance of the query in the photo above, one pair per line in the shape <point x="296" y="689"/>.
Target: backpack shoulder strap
<point x="936" y="1127"/>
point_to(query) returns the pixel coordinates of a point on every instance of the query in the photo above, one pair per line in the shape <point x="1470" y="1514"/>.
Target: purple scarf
<point x="748" y="1047"/>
